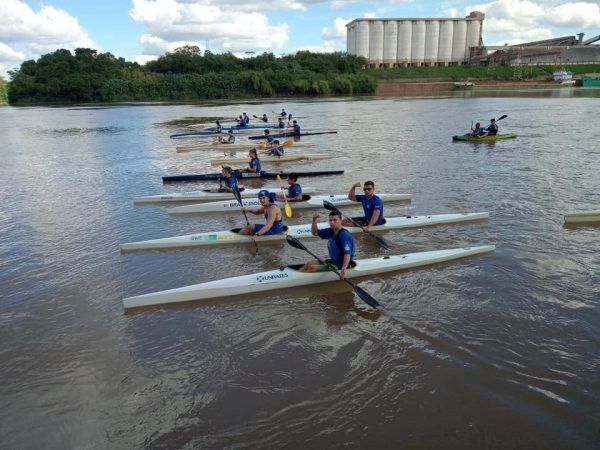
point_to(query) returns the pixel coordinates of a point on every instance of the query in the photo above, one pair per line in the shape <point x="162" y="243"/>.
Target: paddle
<point x="331" y="207"/>
<point x="288" y="208"/>
<point x="238" y="197"/>
<point x="364" y="295"/>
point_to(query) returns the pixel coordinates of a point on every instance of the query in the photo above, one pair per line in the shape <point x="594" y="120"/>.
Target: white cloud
<point x="517" y="21"/>
<point x="370" y="15"/>
<point x="27" y="34"/>
<point x="337" y="32"/>
<point x="172" y="23"/>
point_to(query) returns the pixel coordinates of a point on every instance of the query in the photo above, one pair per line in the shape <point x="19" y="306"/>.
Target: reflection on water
<point x="494" y="351"/>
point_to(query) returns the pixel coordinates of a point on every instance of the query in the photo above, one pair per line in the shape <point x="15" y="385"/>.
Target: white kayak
<point x="298" y="231"/>
<point x="207" y="194"/>
<point x="583" y="217"/>
<point x="309" y="201"/>
<point x="237" y="146"/>
<point x="275" y="159"/>
<point x="290" y="277"/>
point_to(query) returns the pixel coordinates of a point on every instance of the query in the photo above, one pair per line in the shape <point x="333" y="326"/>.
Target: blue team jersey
<point x="231" y="139"/>
<point x="277" y="151"/>
<point x="338" y="246"/>
<point x="246" y="120"/>
<point x="255" y="163"/>
<point x="294" y="190"/>
<point x="370" y="205"/>
<point x="297" y="129"/>
<point x="281" y="124"/>
<point x="230" y="181"/>
<point x="270" y="138"/>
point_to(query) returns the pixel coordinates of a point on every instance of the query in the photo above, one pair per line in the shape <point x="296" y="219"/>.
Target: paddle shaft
<point x="238" y="197"/>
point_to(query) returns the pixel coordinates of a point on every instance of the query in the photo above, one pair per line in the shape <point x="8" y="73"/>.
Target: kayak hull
<point x="230" y="147"/>
<point x="231" y="237"/>
<point x="243" y="175"/>
<point x="497" y="137"/>
<point x="207" y="195"/>
<point x="272" y="159"/>
<point x="289" y="277"/>
<point x="309" y="203"/>
<point x="291" y="134"/>
<point x="583" y="217"/>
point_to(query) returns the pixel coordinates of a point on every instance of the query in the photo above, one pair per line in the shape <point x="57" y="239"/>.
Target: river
<point x="496" y="351"/>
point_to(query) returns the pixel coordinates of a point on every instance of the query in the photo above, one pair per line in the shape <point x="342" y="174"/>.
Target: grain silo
<point x="390" y="42"/>
<point x="445" y="45"/>
<point x="417" y="48"/>
<point x="362" y="39"/>
<point x="376" y="43"/>
<point x="404" y="42"/>
<point x="415" y="42"/>
<point x="432" y="38"/>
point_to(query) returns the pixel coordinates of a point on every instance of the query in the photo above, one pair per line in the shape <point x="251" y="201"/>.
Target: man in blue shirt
<point x="229" y="181"/>
<point x="340" y="246"/>
<point x="294" y="190"/>
<point x="491" y="129"/>
<point x="277" y="149"/>
<point x="269" y="136"/>
<point x="281" y="123"/>
<point x="372" y="206"/>
<point x="296" y="127"/>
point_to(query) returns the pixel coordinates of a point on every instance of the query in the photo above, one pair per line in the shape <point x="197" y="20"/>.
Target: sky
<point x="142" y="30"/>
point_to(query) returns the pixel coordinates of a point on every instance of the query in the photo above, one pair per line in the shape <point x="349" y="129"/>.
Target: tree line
<point x="185" y="74"/>
<point x="3" y="90"/>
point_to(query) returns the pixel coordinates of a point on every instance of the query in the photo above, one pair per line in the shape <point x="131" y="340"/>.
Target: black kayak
<point x="239" y="174"/>
<point x="292" y="134"/>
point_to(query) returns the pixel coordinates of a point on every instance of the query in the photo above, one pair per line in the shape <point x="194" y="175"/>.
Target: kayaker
<point x="281" y="123"/>
<point x="477" y="131"/>
<point x="340" y="245"/>
<point x="254" y="164"/>
<point x="272" y="214"/>
<point x="277" y="149"/>
<point x="246" y="119"/>
<point x="296" y="127"/>
<point x="283" y="113"/>
<point x="228" y="182"/>
<point x="230" y="138"/>
<point x="491" y="129"/>
<point x="269" y="137"/>
<point x="218" y="128"/>
<point x="371" y="203"/>
<point x="294" y="190"/>
<point x="264" y="118"/>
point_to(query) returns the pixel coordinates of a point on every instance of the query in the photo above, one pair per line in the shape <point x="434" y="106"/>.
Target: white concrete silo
<point x="445" y="45"/>
<point x="362" y="38"/>
<point x="390" y="42"/>
<point x="350" y="41"/>
<point x="376" y="43"/>
<point x="404" y="42"/>
<point x="459" y="40"/>
<point x="432" y="37"/>
<point x="417" y="48"/>
<point x="473" y="32"/>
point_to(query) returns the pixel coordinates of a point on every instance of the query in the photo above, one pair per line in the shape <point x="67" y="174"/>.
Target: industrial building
<point x="415" y="42"/>
<point x="558" y="51"/>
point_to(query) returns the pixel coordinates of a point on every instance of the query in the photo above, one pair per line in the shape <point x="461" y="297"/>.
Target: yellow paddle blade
<point x="288" y="143"/>
<point x="288" y="210"/>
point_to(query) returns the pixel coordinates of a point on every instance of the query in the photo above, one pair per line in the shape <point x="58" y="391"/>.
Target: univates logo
<point x="272" y="277"/>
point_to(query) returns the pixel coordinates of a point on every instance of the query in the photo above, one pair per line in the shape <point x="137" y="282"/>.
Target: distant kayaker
<point x="264" y="118"/>
<point x="230" y="138"/>
<point x="294" y="190"/>
<point x="218" y="128"/>
<point x="246" y="119"/>
<point x="283" y="113"/>
<point x="491" y="129"/>
<point x="371" y="203"/>
<point x="340" y="246"/>
<point x="296" y="127"/>
<point x="228" y="182"/>
<point x="269" y="137"/>
<point x="477" y="131"/>
<point x="254" y="164"/>
<point x="272" y="214"/>
<point x="281" y="123"/>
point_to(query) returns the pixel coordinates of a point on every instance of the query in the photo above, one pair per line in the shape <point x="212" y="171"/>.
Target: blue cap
<point x="264" y="193"/>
